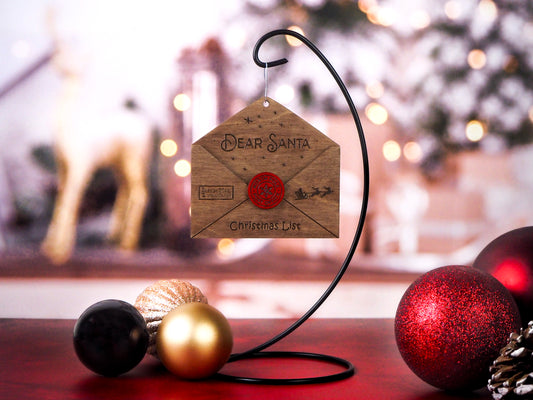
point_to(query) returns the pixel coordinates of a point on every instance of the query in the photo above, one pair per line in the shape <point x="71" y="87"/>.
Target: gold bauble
<point x="194" y="341"/>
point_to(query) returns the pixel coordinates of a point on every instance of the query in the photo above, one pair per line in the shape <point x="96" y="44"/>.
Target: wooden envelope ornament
<point x="265" y="173"/>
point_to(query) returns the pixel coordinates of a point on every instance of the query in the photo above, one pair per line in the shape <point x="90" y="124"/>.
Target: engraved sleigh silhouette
<point x="263" y="173"/>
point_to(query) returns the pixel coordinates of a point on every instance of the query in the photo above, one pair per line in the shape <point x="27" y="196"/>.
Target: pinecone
<point x="512" y="371"/>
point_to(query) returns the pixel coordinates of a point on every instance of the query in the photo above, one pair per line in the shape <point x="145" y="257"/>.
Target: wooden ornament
<point x="265" y="173"/>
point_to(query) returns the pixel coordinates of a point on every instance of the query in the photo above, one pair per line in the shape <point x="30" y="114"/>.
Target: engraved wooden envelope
<point x="263" y="173"/>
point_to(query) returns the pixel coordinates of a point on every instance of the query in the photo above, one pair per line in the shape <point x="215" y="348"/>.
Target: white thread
<point x="265" y="102"/>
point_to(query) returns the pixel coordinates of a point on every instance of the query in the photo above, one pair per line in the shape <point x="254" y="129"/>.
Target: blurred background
<point x="444" y="89"/>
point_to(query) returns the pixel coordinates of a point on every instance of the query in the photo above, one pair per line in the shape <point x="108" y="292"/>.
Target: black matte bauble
<point x="110" y="337"/>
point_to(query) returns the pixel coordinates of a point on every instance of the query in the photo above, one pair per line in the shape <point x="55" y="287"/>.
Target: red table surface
<point x="37" y="361"/>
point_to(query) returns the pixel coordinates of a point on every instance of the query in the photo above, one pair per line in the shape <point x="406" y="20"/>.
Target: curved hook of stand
<point x="263" y="39"/>
<point x="254" y="352"/>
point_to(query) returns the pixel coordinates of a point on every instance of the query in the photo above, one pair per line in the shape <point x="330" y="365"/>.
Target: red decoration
<point x="509" y="258"/>
<point x="450" y="325"/>
<point x="266" y="190"/>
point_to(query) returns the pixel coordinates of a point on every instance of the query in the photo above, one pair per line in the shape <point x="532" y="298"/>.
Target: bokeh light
<point x="182" y="168"/>
<point x="477" y="59"/>
<point x="285" y="94"/>
<point x="452" y="9"/>
<point x="475" y="130"/>
<point x="376" y="113"/>
<point x="168" y="148"/>
<point x="385" y="16"/>
<point x="182" y="102"/>
<point x="366" y="5"/>
<point x="391" y="150"/>
<point x="226" y="247"/>
<point x="412" y="152"/>
<point x="488" y="9"/>
<point x="375" y="89"/>
<point x="372" y="14"/>
<point x="291" y="39"/>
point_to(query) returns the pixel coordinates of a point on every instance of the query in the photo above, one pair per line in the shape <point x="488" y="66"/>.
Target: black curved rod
<point x="366" y="183"/>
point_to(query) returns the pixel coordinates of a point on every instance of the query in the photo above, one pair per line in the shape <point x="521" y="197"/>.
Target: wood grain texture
<point x="37" y="361"/>
<point x="262" y="139"/>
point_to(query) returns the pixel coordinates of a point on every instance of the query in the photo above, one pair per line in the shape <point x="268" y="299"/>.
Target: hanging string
<point x="257" y="352"/>
<point x="265" y="102"/>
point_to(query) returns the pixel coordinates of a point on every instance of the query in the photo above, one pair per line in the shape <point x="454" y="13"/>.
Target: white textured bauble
<point x="159" y="299"/>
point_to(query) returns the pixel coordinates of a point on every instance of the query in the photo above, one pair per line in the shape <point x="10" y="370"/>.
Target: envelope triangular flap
<point x="265" y="138"/>
<point x="249" y="221"/>
<point x="315" y="190"/>
<point x="215" y="190"/>
<point x="260" y="138"/>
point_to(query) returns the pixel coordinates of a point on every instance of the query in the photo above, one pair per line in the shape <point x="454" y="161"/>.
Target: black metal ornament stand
<point x="257" y="352"/>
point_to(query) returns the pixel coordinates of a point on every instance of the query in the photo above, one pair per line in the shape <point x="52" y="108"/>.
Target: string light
<point x="488" y="9"/>
<point x="475" y="130"/>
<point x="285" y="94"/>
<point x="291" y="39"/>
<point x="226" y="247"/>
<point x="412" y="152"/>
<point x="182" y="102"/>
<point x="182" y="168"/>
<point x="168" y="147"/>
<point x="375" y="89"/>
<point x="476" y="59"/>
<point x="385" y="16"/>
<point x="452" y="9"/>
<point x="366" y="5"/>
<point x="391" y="150"/>
<point x="376" y="113"/>
<point x="372" y="14"/>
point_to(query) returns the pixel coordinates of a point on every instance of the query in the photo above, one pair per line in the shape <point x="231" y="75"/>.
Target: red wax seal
<point x="266" y="190"/>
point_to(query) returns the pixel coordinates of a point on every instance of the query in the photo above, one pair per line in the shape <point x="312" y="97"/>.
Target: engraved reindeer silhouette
<point x="83" y="142"/>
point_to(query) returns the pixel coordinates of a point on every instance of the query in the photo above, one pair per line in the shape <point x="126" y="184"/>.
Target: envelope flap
<point x="249" y="221"/>
<point x="260" y="138"/>
<point x="314" y="190"/>
<point x="215" y="190"/>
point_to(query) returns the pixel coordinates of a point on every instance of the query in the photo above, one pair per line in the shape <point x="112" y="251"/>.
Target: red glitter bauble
<point x="509" y="258"/>
<point x="451" y="324"/>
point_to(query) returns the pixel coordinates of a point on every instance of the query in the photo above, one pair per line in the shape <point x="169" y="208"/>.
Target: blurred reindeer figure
<point x="85" y="141"/>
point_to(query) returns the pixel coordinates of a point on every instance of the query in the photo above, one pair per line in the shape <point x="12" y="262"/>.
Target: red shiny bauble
<point x="509" y="258"/>
<point x="451" y="324"/>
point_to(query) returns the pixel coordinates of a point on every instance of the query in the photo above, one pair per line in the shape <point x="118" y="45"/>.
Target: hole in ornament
<point x="266" y="103"/>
